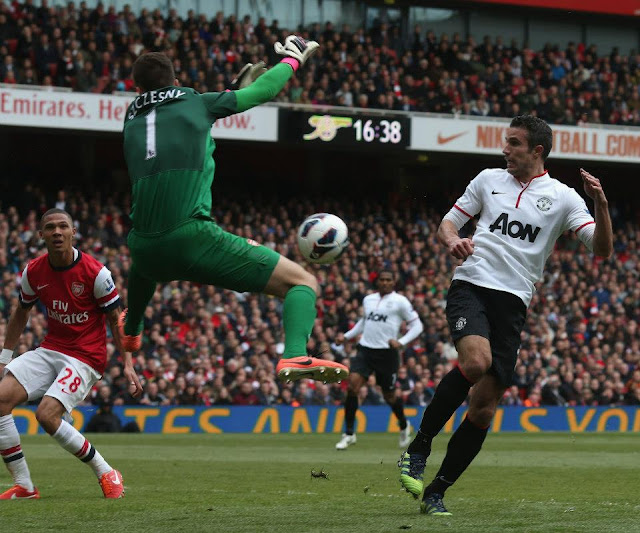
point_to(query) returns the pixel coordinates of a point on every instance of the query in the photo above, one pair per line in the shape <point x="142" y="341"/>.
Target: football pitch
<point x="262" y="483"/>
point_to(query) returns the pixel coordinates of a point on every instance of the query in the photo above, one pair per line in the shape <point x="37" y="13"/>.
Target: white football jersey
<point x="382" y="319"/>
<point x="518" y="227"/>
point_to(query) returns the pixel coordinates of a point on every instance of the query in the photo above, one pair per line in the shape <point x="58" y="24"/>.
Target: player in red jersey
<point x="78" y="293"/>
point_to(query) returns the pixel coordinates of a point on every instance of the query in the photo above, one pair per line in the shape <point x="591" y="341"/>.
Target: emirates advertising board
<point x="105" y="113"/>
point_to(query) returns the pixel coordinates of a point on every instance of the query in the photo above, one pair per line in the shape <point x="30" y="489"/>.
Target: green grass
<point x="262" y="483"/>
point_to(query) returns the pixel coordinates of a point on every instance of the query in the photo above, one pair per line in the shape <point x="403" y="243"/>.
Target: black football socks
<point x="463" y="446"/>
<point x="398" y="409"/>
<point x="350" y="408"/>
<point x="451" y="392"/>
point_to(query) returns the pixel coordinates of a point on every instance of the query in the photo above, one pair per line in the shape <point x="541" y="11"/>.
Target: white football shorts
<point x="44" y="372"/>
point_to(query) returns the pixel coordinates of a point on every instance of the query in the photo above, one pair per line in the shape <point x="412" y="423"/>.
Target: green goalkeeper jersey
<point x="169" y="149"/>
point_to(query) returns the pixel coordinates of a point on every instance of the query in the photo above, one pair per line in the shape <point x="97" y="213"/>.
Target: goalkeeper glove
<point x="297" y="48"/>
<point x="248" y="74"/>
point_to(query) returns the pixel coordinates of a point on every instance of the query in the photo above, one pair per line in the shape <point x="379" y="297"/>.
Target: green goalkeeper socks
<point x="298" y="316"/>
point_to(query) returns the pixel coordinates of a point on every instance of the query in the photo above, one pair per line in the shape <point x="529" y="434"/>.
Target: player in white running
<point x="523" y="211"/>
<point x="78" y="293"/>
<point x="378" y="352"/>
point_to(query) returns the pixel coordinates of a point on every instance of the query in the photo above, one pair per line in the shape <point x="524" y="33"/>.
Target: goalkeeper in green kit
<point x="168" y="149"/>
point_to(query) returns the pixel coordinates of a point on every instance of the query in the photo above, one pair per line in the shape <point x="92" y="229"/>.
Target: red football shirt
<point x="76" y="298"/>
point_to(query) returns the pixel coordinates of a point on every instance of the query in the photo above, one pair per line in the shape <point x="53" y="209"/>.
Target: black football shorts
<point x="498" y="316"/>
<point x="384" y="362"/>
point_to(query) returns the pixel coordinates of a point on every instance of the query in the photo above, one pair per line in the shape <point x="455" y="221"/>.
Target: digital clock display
<point x="360" y="130"/>
<point x="384" y="131"/>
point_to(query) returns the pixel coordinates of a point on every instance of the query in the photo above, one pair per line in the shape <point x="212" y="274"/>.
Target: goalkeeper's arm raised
<point x="296" y="52"/>
<point x="266" y="87"/>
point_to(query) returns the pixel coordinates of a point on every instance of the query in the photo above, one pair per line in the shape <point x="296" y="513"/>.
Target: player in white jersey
<point x="383" y="314"/>
<point x="522" y="212"/>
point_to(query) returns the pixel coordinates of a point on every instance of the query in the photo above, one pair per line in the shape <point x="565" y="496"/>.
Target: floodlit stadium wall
<point x="236" y="419"/>
<point x="331" y="127"/>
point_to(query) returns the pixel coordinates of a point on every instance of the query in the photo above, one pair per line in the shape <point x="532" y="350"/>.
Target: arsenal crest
<point x="77" y="288"/>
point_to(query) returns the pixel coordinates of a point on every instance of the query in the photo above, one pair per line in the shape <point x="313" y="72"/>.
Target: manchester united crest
<point x="544" y="203"/>
<point x="77" y="288"/>
<point x="460" y="323"/>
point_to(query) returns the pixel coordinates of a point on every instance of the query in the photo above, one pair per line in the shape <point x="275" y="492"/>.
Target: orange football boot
<point x="20" y="493"/>
<point x="111" y="484"/>
<point x="296" y="368"/>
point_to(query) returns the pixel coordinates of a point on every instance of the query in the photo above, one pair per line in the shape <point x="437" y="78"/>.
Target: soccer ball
<point x="322" y="238"/>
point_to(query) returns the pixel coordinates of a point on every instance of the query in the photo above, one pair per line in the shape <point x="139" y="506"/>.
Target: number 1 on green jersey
<point x="151" y="134"/>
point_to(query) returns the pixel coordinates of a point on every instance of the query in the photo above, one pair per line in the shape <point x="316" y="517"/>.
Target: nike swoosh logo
<point x="307" y="362"/>
<point x="309" y="373"/>
<point x="39" y="287"/>
<point x="115" y="480"/>
<point x="494" y="192"/>
<point x="30" y="497"/>
<point x="445" y="140"/>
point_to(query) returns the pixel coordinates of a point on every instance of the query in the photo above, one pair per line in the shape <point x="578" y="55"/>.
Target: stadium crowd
<point x="92" y="50"/>
<point x="205" y="346"/>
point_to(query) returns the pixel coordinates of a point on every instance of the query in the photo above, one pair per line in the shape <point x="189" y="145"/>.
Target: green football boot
<point x="432" y="504"/>
<point x="411" y="471"/>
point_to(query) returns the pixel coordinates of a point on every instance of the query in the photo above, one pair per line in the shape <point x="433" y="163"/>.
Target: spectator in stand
<point x="246" y="395"/>
<point x="419" y="396"/>
<point x="321" y="395"/>
<point x="153" y="396"/>
<point x="551" y="394"/>
<point x="286" y="398"/>
<point x="86" y="80"/>
<point x="364" y="68"/>
<point x="104" y="420"/>
<point x="512" y="396"/>
<point x="66" y="69"/>
<point x="268" y="393"/>
<point x="8" y="68"/>
<point x="533" y="400"/>
<point x="223" y="397"/>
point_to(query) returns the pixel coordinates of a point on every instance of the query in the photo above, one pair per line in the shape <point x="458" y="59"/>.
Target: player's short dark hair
<point x="386" y="271"/>
<point x="538" y="132"/>
<point x="153" y="70"/>
<point x="55" y="211"/>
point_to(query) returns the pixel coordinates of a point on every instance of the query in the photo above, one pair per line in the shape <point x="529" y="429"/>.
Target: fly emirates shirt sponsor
<point x="76" y="298"/>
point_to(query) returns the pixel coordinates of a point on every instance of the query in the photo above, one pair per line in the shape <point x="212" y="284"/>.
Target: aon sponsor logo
<point x="377" y="317"/>
<point x="514" y="228"/>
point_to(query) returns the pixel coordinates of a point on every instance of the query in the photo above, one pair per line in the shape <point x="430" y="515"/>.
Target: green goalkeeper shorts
<point x="202" y="252"/>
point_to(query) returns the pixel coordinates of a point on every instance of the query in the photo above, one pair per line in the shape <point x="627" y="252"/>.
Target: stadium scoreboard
<point x="346" y="130"/>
